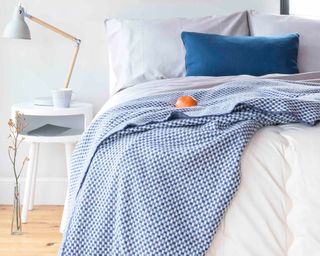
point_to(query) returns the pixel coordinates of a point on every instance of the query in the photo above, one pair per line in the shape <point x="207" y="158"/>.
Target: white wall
<point x="33" y="68"/>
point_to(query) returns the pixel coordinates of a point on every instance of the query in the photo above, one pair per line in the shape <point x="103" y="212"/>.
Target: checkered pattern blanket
<point x="148" y="179"/>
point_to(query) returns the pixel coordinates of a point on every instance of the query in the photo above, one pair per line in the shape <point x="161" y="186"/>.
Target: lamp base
<point x="43" y="101"/>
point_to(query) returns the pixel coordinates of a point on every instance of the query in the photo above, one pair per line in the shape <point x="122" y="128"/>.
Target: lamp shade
<point x="17" y="28"/>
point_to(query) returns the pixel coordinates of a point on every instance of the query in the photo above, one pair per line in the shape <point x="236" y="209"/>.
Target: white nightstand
<point x="50" y="125"/>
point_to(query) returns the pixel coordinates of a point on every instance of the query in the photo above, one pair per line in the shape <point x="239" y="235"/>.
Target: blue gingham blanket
<point x="150" y="179"/>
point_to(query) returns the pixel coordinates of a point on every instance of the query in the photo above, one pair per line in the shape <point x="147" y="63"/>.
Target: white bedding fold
<point x="185" y="83"/>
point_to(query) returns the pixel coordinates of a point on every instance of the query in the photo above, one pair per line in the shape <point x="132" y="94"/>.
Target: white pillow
<point x="309" y="31"/>
<point x="144" y="50"/>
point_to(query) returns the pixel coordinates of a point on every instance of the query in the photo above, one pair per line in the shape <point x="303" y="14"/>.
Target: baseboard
<point x="49" y="191"/>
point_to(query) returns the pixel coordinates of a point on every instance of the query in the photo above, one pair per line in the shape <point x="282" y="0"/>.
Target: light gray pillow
<point x="144" y="50"/>
<point x="308" y="29"/>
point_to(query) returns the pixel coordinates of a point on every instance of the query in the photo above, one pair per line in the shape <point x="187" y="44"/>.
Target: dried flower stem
<point x="16" y="128"/>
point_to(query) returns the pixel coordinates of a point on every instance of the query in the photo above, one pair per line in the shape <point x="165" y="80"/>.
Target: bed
<point x="127" y="200"/>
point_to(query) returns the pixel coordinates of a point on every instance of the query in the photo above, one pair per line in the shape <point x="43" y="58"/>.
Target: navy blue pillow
<point x="216" y="55"/>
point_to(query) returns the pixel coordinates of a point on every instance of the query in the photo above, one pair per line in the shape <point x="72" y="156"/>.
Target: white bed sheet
<point x="276" y="210"/>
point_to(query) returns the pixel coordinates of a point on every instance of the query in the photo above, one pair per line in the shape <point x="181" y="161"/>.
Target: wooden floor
<point x="40" y="237"/>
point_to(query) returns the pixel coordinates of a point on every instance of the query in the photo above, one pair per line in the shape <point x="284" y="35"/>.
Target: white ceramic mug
<point x="61" y="98"/>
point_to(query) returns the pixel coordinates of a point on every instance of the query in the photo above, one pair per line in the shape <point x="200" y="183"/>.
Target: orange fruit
<point x="186" y="101"/>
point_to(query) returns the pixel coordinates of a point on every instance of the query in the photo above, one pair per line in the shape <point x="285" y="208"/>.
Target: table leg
<point x="69" y="147"/>
<point x="27" y="189"/>
<point x="34" y="177"/>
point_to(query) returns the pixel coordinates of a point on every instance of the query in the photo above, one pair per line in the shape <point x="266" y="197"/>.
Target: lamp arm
<point x="75" y="55"/>
<point x="48" y="26"/>
<point x="64" y="34"/>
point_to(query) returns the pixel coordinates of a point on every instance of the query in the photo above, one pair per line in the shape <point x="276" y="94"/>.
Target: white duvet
<point x="276" y="211"/>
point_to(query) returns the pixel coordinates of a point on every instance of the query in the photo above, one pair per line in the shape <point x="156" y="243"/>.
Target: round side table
<point x="50" y="125"/>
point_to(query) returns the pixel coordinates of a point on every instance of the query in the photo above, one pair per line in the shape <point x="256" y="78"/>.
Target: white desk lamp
<point x="17" y="28"/>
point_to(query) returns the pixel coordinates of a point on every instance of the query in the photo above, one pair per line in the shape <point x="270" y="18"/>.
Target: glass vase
<point x="16" y="225"/>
